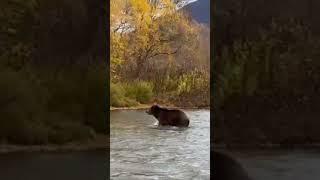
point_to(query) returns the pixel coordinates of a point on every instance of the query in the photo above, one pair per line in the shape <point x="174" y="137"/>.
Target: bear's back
<point x="173" y="117"/>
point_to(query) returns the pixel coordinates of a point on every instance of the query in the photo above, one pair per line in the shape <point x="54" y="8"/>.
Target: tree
<point x="142" y="31"/>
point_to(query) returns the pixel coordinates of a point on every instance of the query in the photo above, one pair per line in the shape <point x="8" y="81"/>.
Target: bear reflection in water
<point x="226" y="168"/>
<point x="169" y="117"/>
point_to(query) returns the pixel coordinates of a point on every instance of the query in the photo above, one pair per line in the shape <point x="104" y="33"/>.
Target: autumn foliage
<point x="155" y="43"/>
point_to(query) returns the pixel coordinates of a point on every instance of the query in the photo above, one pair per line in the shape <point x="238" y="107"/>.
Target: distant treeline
<point x="53" y="82"/>
<point x="266" y="71"/>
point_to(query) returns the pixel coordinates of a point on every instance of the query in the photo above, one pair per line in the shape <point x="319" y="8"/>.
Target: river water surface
<point x="139" y="150"/>
<point x="281" y="164"/>
<point x="86" y="165"/>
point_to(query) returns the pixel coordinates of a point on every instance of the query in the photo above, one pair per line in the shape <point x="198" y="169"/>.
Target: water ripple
<point x="141" y="150"/>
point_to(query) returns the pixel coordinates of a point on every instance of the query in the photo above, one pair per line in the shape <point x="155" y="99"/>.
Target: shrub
<point x="65" y="131"/>
<point x="34" y="103"/>
<point x="21" y="103"/>
<point x="121" y="95"/>
<point x="130" y="94"/>
<point x="80" y="94"/>
<point x="141" y="91"/>
<point x="144" y="92"/>
<point x="96" y="99"/>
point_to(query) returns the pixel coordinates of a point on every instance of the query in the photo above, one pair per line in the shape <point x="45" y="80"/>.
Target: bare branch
<point x="165" y="53"/>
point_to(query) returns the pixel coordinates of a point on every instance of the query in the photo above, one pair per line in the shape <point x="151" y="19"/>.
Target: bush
<point x="192" y="83"/>
<point x="65" y="131"/>
<point x="96" y="99"/>
<point x="118" y="96"/>
<point x="27" y="132"/>
<point x="130" y="94"/>
<point x="21" y="103"/>
<point x="80" y="95"/>
<point x="140" y="91"/>
<point x="34" y="103"/>
<point x="144" y="92"/>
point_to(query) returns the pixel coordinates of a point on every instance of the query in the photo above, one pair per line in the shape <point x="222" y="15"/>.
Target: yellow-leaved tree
<point x="142" y="30"/>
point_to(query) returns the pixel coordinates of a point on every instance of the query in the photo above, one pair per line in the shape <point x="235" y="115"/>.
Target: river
<point x="278" y="164"/>
<point x="87" y="165"/>
<point x="139" y="150"/>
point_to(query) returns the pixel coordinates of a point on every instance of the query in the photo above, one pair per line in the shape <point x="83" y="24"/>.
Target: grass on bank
<point x="189" y="90"/>
<point x="130" y="94"/>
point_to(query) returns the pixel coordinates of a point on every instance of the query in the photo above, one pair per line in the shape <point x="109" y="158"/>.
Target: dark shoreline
<point x="99" y="143"/>
<point x="265" y="146"/>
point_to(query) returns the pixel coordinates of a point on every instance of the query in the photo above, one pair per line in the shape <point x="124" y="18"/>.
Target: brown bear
<point x="169" y="117"/>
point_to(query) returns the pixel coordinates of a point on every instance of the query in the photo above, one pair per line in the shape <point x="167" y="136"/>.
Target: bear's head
<point x="153" y="110"/>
